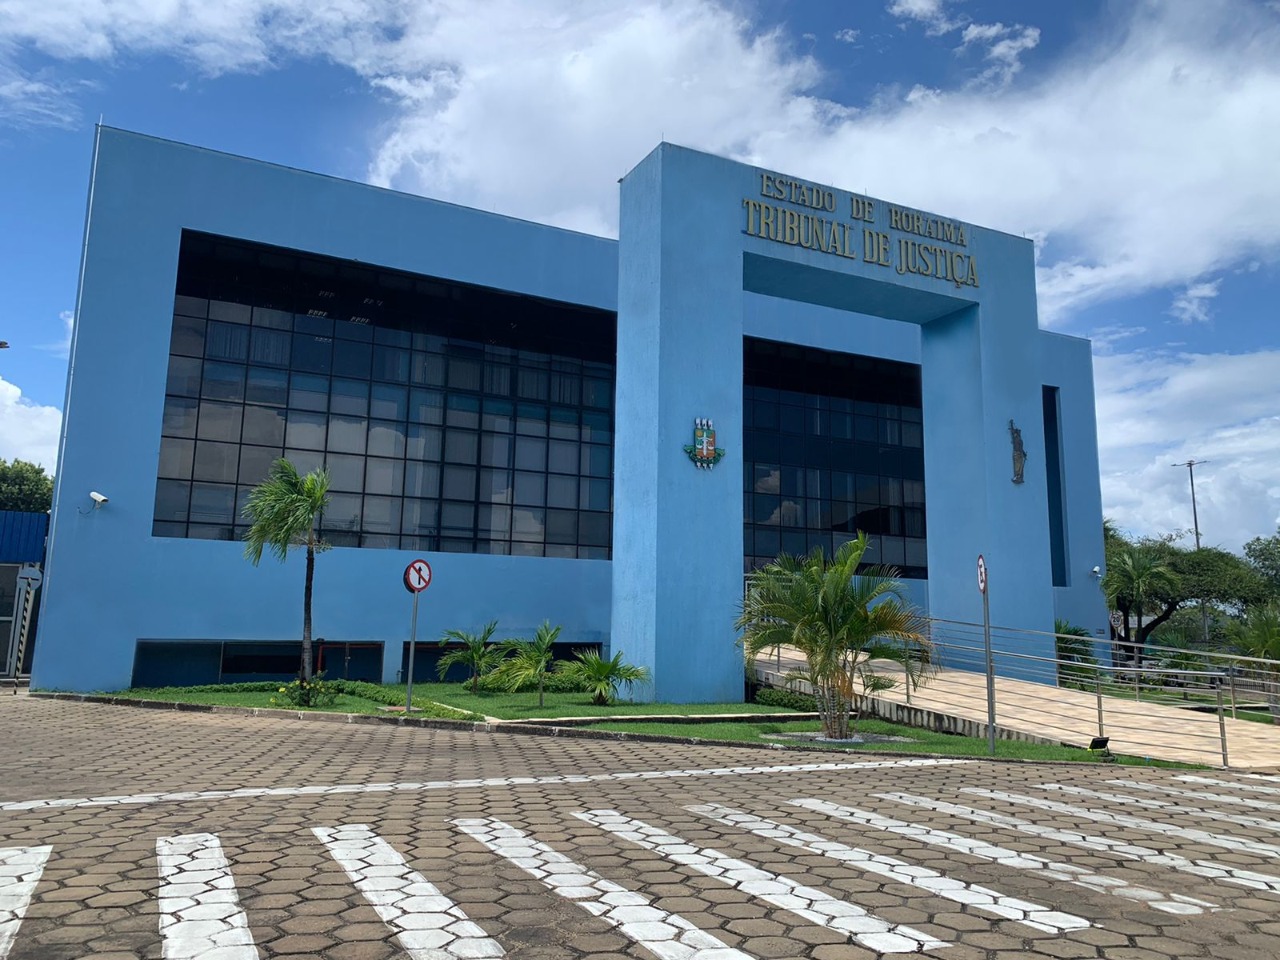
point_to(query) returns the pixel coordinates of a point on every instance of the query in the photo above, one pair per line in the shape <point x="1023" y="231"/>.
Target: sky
<point x="1136" y="141"/>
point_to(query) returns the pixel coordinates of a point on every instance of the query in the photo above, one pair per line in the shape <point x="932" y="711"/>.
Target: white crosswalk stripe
<point x="500" y="783"/>
<point x="666" y="935"/>
<point x="1249" y="787"/>
<point x="977" y="897"/>
<point x="428" y="925"/>
<point x="20" y="870"/>
<point x="1211" y="869"/>
<point x="1168" y="806"/>
<point x="813" y="905"/>
<point x="1006" y="857"/>
<point x="1133" y="823"/>
<point x="1197" y="795"/>
<point x="1260" y="776"/>
<point x="200" y="913"/>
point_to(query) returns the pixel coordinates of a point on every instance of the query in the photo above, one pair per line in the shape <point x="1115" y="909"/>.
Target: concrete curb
<point x="667" y="718"/>
<point x="531" y="729"/>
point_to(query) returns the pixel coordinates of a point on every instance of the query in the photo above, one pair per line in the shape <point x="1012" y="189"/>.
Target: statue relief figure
<point x="1019" y="452"/>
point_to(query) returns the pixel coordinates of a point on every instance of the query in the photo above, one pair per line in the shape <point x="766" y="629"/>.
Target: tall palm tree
<point x="1258" y="635"/>
<point x="1137" y="576"/>
<point x="284" y="511"/>
<point x="477" y="653"/>
<point x="840" y="620"/>
<point x="527" y="661"/>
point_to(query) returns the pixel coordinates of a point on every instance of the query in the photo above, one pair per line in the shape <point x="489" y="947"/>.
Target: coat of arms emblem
<point x="703" y="451"/>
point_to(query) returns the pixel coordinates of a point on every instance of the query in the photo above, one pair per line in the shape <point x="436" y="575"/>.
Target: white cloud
<point x="27" y="100"/>
<point x="535" y="109"/>
<point x="1106" y="337"/>
<point x="1005" y="47"/>
<point x="1192" y="305"/>
<point x="28" y="431"/>
<point x="932" y="13"/>
<point x="63" y="347"/>
<point x="848" y="35"/>
<point x="1156" y="409"/>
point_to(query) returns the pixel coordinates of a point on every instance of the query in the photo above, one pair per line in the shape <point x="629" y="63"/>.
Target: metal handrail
<point x="1108" y="642"/>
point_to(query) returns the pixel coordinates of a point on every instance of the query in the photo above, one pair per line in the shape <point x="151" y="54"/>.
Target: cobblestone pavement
<point x="139" y="833"/>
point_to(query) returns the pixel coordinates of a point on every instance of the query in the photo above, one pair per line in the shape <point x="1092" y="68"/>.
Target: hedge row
<point x="554" y="683"/>
<point x="772" y="697"/>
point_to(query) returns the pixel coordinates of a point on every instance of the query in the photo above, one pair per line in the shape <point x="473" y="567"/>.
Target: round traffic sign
<point x="982" y="574"/>
<point x="417" y="576"/>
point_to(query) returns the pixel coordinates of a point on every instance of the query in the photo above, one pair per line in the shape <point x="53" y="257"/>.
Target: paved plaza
<point x="142" y="833"/>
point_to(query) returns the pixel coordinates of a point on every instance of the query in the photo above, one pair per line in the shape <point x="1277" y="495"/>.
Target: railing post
<point x="1231" y="679"/>
<point x="1102" y="730"/>
<point x="1222" y="728"/>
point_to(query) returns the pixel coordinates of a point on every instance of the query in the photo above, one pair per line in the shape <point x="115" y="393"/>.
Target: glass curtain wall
<point x="450" y="417"/>
<point x="833" y="445"/>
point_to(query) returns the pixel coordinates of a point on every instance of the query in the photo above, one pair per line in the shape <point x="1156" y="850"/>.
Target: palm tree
<point x="283" y="512"/>
<point x="602" y="677"/>
<point x="1137" y="576"/>
<point x="527" y="661"/>
<point x="476" y="653"/>
<point x="1258" y="635"/>
<point x="1074" y="653"/>
<point x="840" y="620"/>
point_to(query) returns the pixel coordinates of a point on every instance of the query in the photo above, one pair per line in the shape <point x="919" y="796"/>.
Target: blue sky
<point x="1137" y="141"/>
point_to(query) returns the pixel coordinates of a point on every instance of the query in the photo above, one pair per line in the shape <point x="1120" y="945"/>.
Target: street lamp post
<point x="1195" y="522"/>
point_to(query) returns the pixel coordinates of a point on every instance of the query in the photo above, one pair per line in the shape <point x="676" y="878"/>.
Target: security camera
<point x="97" y="498"/>
<point x="1097" y="571"/>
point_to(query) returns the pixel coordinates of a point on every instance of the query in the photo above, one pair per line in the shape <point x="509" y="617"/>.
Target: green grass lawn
<point x="922" y="741"/>
<point x="251" y="695"/>
<point x="521" y="706"/>
<point x="1257" y="716"/>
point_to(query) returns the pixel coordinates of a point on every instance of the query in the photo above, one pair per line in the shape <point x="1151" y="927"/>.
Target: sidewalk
<point x="1070" y="716"/>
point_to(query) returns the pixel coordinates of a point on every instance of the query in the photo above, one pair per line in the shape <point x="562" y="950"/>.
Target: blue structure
<point x="519" y="403"/>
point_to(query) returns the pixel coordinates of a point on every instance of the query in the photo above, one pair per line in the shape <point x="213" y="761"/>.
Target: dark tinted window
<point x="450" y="417"/>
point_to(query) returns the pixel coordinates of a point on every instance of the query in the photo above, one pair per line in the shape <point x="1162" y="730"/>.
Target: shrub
<point x="773" y="697"/>
<point x="1074" y="648"/>
<point x="554" y="683"/>
<point x="316" y="692"/>
<point x="602" y="677"/>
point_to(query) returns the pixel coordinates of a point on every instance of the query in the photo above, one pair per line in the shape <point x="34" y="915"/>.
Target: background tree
<point x="477" y="653"/>
<point x="1263" y="555"/>
<point x="527" y="661"/>
<point x="284" y="512"/>
<point x="1151" y="579"/>
<point x="1138" y="579"/>
<point x="600" y="677"/>
<point x="840" y="620"/>
<point x="25" y="486"/>
<point x="1258" y="635"/>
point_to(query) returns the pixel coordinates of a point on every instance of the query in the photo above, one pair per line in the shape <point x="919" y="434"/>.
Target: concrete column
<point x="677" y="552"/>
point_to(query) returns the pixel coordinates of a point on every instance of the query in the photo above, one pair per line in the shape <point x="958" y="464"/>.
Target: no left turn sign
<point x="417" y="576"/>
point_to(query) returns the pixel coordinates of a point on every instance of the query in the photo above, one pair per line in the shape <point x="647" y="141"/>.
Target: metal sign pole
<point x="991" y="671"/>
<point x="413" y="642"/>
<point x="417" y="577"/>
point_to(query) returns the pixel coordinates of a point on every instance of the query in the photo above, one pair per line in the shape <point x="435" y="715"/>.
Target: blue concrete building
<point x="602" y="434"/>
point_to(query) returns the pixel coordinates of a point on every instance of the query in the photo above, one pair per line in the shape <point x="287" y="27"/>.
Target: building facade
<point x="601" y="434"/>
